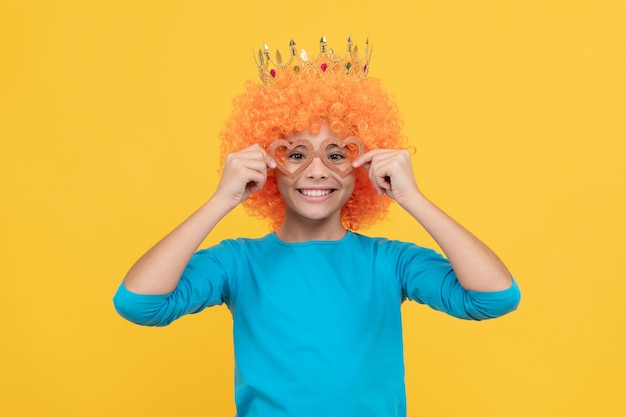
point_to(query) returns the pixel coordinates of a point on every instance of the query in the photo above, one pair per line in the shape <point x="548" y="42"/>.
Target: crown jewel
<point x="350" y="62"/>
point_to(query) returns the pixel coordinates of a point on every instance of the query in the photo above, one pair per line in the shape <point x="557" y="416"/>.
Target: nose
<point x="317" y="169"/>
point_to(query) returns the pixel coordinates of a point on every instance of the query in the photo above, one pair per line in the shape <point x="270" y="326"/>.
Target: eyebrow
<point x="292" y="140"/>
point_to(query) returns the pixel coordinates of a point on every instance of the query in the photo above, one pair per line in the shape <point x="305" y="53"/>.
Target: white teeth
<point x="315" y="193"/>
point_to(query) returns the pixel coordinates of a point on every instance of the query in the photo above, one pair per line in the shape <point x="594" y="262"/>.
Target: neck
<point x="296" y="232"/>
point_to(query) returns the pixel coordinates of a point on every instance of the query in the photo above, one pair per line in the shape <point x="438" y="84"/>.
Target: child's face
<point x="317" y="189"/>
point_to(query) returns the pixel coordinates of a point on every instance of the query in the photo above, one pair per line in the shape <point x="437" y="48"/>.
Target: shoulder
<point x="240" y="243"/>
<point x="234" y="250"/>
<point x="386" y="244"/>
<point x="226" y="258"/>
<point x="398" y="251"/>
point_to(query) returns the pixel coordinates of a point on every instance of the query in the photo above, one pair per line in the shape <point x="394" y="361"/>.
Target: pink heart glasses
<point x="294" y="157"/>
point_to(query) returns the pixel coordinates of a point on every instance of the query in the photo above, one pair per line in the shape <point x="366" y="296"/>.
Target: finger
<point x="254" y="159"/>
<point x="368" y="163"/>
<point x="256" y="183"/>
<point x="267" y="160"/>
<point x="270" y="162"/>
<point x="239" y="169"/>
<point x="254" y="179"/>
<point x="375" y="180"/>
<point x="257" y="152"/>
<point x="243" y="171"/>
<point x="381" y="174"/>
<point x="368" y="156"/>
<point x="382" y="183"/>
<point x="258" y="165"/>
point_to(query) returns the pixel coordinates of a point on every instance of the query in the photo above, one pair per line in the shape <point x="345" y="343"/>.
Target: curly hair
<point x="352" y="106"/>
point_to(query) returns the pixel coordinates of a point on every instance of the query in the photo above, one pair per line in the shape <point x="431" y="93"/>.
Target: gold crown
<point x="325" y="61"/>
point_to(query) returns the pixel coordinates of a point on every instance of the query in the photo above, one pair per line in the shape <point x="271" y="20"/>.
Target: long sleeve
<point x="428" y="278"/>
<point x="203" y="284"/>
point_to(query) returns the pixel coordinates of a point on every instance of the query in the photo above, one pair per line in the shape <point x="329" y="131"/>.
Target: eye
<point x="297" y="156"/>
<point x="336" y="156"/>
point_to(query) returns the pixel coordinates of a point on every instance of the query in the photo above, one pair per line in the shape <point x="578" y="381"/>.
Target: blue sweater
<point x="317" y="325"/>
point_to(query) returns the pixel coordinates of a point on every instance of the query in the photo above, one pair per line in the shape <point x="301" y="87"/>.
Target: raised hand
<point x="391" y="173"/>
<point x="245" y="172"/>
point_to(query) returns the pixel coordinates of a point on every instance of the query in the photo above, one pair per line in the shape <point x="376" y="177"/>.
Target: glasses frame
<point x="314" y="153"/>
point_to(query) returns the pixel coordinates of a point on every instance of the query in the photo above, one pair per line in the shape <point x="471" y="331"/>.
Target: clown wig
<point x="352" y="106"/>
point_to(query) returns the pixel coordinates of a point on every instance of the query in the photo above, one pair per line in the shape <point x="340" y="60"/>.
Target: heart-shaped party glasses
<point x="294" y="157"/>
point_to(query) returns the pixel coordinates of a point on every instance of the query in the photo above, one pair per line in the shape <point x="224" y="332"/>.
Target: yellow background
<point x="109" y="113"/>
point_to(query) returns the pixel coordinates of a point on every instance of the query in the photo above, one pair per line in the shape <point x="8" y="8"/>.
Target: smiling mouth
<point x="315" y="193"/>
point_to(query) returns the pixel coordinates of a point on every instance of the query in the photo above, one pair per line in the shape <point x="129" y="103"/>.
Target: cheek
<point x="284" y="183"/>
<point x="349" y="183"/>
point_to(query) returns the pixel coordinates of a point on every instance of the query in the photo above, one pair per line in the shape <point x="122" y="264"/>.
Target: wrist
<point x="414" y="203"/>
<point x="220" y="204"/>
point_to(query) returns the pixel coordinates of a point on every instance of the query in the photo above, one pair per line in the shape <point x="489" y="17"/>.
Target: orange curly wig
<point x="351" y="106"/>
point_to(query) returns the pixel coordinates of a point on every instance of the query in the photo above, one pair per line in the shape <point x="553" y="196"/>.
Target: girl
<point x="317" y="149"/>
